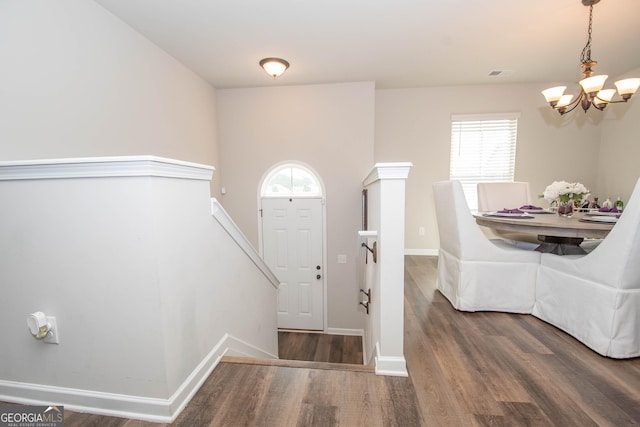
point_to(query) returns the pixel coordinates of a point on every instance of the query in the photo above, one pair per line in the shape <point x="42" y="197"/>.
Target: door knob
<point x="318" y="277"/>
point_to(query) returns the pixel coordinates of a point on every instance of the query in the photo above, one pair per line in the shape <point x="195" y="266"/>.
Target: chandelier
<point x="591" y="92"/>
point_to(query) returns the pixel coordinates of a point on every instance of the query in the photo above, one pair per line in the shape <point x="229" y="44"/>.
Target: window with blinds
<point x="483" y="149"/>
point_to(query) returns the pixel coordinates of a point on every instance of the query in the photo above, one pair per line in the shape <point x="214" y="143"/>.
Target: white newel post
<point x="384" y="326"/>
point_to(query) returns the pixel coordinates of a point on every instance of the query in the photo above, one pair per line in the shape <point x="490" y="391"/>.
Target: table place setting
<point x="509" y="213"/>
<point x="599" y="218"/>
<point x="531" y="209"/>
<point x="604" y="212"/>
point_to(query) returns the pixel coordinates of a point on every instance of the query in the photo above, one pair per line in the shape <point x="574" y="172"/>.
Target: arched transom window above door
<point x="291" y="180"/>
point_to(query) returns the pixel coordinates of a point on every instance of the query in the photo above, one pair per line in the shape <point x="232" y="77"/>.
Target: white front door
<point x="292" y="248"/>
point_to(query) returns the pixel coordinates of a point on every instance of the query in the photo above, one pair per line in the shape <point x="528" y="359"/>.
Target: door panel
<point x="292" y="248"/>
<point x="281" y="248"/>
<point x="283" y="300"/>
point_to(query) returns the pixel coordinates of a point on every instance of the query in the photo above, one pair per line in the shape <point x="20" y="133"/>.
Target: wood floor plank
<point x="323" y="348"/>
<point x="300" y="364"/>
<point x="401" y="395"/>
<point x="208" y="404"/>
<point x="317" y="415"/>
<point x="77" y="419"/>
<point x="591" y="396"/>
<point x="325" y="388"/>
<point x="283" y="402"/>
<point x="456" y="356"/>
<point x="336" y="349"/>
<point x="437" y="401"/>
<point x="252" y="398"/>
<point x="364" y="405"/>
<point x="352" y="350"/>
<point x="320" y="347"/>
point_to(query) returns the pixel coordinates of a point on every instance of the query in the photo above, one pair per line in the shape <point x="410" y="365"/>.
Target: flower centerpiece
<point x="565" y="195"/>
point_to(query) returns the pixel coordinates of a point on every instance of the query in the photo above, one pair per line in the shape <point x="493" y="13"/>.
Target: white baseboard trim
<point x="100" y="403"/>
<point x="345" y="331"/>
<point x="237" y="347"/>
<point x="392" y="366"/>
<point x="425" y="252"/>
<point x="128" y="406"/>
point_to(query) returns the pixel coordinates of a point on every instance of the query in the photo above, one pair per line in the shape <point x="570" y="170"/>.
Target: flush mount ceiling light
<point x="591" y="92"/>
<point x="274" y="66"/>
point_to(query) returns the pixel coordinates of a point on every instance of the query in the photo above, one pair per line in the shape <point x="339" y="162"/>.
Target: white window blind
<point x="483" y="149"/>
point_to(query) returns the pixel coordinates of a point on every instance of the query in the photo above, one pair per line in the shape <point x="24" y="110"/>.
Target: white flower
<point x="566" y="191"/>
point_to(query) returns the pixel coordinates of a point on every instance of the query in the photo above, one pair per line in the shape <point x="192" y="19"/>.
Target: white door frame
<point x="325" y="267"/>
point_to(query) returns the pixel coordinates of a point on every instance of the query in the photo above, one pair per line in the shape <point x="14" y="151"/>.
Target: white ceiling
<point x="396" y="43"/>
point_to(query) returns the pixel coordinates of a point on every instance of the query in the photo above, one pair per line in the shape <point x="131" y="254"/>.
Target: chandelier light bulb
<point x="553" y="94"/>
<point x="594" y="83"/>
<point x="627" y="86"/>
<point x="564" y="101"/>
<point x="604" y="97"/>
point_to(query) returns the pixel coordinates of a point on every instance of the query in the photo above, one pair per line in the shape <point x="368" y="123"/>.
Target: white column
<point x="385" y="322"/>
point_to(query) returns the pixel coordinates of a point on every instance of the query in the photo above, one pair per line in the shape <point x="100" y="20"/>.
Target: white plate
<point x="536" y="211"/>
<point x="598" y="218"/>
<point x="596" y="213"/>
<point x="509" y="215"/>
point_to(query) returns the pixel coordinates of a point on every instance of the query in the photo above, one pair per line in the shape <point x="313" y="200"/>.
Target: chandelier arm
<point x="612" y="102"/>
<point x="573" y="104"/>
<point x="562" y="113"/>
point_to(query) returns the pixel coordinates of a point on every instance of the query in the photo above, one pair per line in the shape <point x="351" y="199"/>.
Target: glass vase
<point x="565" y="209"/>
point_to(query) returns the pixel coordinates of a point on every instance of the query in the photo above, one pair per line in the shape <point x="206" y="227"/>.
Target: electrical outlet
<point x="342" y="259"/>
<point x="52" y="337"/>
<point x="421" y="231"/>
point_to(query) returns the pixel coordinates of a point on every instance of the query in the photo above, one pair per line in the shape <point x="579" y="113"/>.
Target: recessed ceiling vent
<point x="501" y="73"/>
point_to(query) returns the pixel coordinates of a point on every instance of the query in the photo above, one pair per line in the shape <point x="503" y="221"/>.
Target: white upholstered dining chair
<point x="495" y="196"/>
<point x="475" y="273"/>
<point x="596" y="297"/>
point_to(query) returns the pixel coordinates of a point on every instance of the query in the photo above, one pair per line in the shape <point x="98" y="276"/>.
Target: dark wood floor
<point x="320" y="347"/>
<point x="465" y="369"/>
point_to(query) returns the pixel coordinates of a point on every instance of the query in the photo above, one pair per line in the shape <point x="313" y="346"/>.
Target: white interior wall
<point x="328" y="127"/>
<point x="67" y="249"/>
<point x="619" y="150"/>
<point x="207" y="286"/>
<point x="77" y="82"/>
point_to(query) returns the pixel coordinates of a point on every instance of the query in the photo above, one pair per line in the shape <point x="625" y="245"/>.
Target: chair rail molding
<point x="101" y="167"/>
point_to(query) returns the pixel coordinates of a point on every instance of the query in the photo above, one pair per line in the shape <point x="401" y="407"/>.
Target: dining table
<point x="557" y="234"/>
